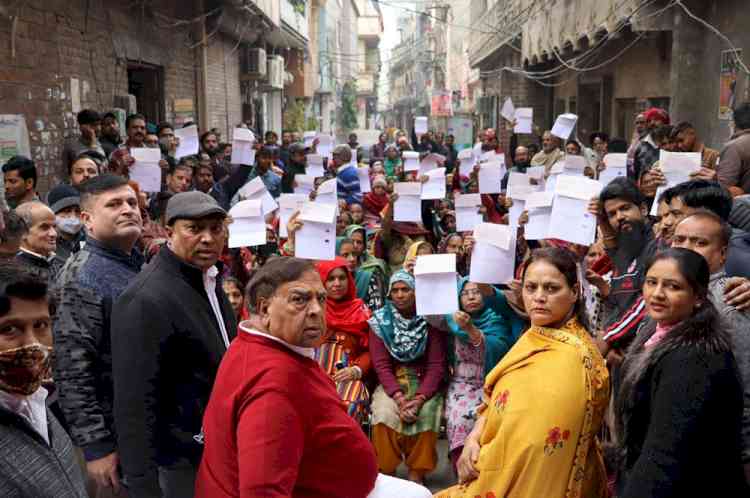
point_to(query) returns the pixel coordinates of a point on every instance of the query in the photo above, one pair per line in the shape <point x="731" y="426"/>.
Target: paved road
<point x="442" y="477"/>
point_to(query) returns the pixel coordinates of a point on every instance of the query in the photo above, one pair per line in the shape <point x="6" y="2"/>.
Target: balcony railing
<point x="294" y="14"/>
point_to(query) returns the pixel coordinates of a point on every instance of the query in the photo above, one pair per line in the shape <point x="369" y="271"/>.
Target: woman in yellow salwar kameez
<point x="544" y="402"/>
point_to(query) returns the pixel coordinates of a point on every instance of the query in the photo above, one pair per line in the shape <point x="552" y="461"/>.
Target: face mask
<point x="22" y="370"/>
<point x="70" y="226"/>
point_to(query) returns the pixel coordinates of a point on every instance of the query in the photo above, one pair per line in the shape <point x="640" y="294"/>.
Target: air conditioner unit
<point x="276" y="72"/>
<point x="255" y="64"/>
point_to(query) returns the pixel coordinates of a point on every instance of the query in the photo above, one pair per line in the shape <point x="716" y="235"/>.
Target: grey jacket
<point x="31" y="468"/>
<point x="734" y="165"/>
<point x="737" y="324"/>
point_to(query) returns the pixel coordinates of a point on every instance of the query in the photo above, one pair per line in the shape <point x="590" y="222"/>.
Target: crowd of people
<point x="142" y="357"/>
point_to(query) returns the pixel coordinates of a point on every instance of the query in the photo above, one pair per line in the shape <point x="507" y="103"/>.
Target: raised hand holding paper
<point x="248" y="227"/>
<point x="466" y="157"/>
<point x="304" y="184"/>
<point x="524" y="120"/>
<point x="430" y="162"/>
<point x="411" y="160"/>
<point x="420" y="125"/>
<point x="146" y="170"/>
<point x="676" y="167"/>
<point x="574" y="165"/>
<point x="363" y="173"/>
<point x="436" y="289"/>
<point x="408" y="207"/>
<point x="491" y="177"/>
<point x="564" y="125"/>
<point x="508" y="111"/>
<point x="494" y="255"/>
<point x="435" y="186"/>
<point x="327" y="193"/>
<point x="317" y="237"/>
<point x="242" y="147"/>
<point x="616" y="165"/>
<point x="189" y="143"/>
<point x="539" y="206"/>
<point x="570" y="219"/>
<point x="315" y="166"/>
<point x="467" y="212"/>
<point x="256" y="189"/>
<point x="288" y="204"/>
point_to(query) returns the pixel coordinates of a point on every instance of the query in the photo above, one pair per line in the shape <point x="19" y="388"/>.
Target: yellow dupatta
<point x="544" y="404"/>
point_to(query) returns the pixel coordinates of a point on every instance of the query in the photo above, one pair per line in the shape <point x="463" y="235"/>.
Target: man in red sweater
<point x="275" y="425"/>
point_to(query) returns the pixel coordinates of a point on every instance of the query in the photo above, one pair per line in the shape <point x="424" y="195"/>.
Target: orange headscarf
<point x="348" y="314"/>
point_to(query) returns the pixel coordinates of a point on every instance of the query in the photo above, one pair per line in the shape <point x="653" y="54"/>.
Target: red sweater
<point x="275" y="426"/>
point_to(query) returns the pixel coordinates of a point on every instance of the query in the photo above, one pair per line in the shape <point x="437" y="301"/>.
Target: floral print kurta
<point x="464" y="391"/>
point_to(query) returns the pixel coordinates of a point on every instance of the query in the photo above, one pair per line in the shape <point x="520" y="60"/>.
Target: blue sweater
<point x="347" y="184"/>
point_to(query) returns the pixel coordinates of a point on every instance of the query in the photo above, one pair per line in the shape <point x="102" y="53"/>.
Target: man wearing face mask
<point x="38" y="458"/>
<point x="65" y="202"/>
<point x="86" y="288"/>
<point x="175" y="323"/>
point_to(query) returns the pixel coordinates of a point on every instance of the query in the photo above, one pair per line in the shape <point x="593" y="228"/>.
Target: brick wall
<point x="223" y="86"/>
<point x="59" y="42"/>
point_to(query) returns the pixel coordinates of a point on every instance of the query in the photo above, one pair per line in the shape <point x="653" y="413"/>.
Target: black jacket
<point x="678" y="415"/>
<point x="166" y="349"/>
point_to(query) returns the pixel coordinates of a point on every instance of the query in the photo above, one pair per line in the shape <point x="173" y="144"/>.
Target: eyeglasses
<point x="471" y="293"/>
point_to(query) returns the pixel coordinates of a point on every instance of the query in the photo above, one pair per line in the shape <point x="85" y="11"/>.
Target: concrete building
<point x="616" y="60"/>
<point x="369" y="33"/>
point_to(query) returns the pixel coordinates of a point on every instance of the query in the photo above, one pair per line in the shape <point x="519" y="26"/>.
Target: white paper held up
<point x="616" y="165"/>
<point x="524" y="120"/>
<point x="420" y="125"/>
<point x="491" y="177"/>
<point x="434" y="188"/>
<point x="242" y="147"/>
<point x="288" y="204"/>
<point x="327" y="193"/>
<point x="430" y="162"/>
<point x="314" y="165"/>
<point x="574" y="165"/>
<point x="189" y="144"/>
<point x="411" y="160"/>
<point x="564" y="125"/>
<point x="539" y="206"/>
<point x="317" y="237"/>
<point x="571" y="221"/>
<point x="436" y="289"/>
<point x="467" y="162"/>
<point x="494" y="254"/>
<point x="467" y="212"/>
<point x="248" y="228"/>
<point x="305" y="184"/>
<point x="508" y="111"/>
<point x="146" y="170"/>
<point x="408" y="207"/>
<point x="676" y="167"/>
<point x="256" y="189"/>
<point x="363" y="173"/>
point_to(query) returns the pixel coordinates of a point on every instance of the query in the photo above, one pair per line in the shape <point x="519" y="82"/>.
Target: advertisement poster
<point x="462" y="130"/>
<point x="728" y="84"/>
<point x="14" y="137"/>
<point x="441" y="105"/>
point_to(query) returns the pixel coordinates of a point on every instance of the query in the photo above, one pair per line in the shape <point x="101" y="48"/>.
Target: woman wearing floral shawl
<point x="409" y="359"/>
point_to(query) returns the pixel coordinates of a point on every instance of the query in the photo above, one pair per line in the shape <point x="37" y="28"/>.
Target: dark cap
<point x="88" y="117"/>
<point x="296" y="148"/>
<point x="63" y="196"/>
<point x="191" y="206"/>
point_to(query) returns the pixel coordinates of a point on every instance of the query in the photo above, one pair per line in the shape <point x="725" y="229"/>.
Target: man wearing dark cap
<point x="65" y="202"/>
<point x="87" y="286"/>
<point x="90" y="123"/>
<point x="170" y="330"/>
